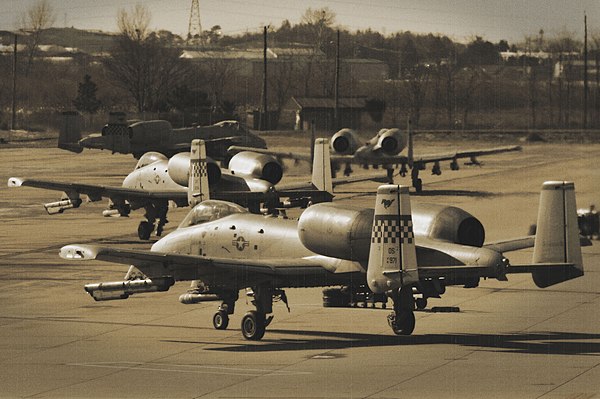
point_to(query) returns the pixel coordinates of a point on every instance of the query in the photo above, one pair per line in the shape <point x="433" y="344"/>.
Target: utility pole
<point x="262" y="122"/>
<point x="336" y="90"/>
<point x="585" y="72"/>
<point x="13" y="121"/>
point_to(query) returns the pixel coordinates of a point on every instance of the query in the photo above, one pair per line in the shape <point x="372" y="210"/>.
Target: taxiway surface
<point x="510" y="339"/>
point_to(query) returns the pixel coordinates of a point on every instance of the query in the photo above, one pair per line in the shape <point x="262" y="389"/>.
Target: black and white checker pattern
<point x="392" y="229"/>
<point x="198" y="168"/>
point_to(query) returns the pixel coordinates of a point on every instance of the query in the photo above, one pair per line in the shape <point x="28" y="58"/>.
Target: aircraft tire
<point x="403" y="323"/>
<point x="421" y="303"/>
<point x="253" y="325"/>
<point x="221" y="320"/>
<point x="418" y="185"/>
<point x="145" y="230"/>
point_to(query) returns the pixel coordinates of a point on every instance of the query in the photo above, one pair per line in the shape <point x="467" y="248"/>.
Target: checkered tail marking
<point x="392" y="229"/>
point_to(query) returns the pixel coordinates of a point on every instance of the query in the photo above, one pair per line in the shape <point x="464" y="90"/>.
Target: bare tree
<point x="318" y="22"/>
<point x="38" y="17"/>
<point x="415" y="89"/>
<point x="218" y="72"/>
<point x="562" y="47"/>
<point x="596" y="52"/>
<point x="142" y="63"/>
<point x="135" y="23"/>
<point x="472" y="78"/>
<point x="282" y="81"/>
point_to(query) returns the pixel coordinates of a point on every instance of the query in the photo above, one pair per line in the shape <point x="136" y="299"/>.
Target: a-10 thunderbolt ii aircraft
<point x="251" y="181"/>
<point x="391" y="250"/>
<point x="384" y="150"/>
<point x="140" y="137"/>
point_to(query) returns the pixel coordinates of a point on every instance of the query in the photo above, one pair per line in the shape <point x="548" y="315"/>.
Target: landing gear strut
<point x="416" y="182"/>
<point x="256" y="321"/>
<point x="154" y="212"/>
<point x="390" y="175"/>
<point x="227" y="307"/>
<point x="402" y="320"/>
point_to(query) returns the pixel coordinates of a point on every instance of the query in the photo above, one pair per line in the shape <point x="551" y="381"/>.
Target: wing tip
<point x="15" y="182"/>
<point x="78" y="252"/>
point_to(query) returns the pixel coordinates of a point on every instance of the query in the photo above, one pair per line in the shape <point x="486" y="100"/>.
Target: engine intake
<point x="345" y="142"/>
<point x="391" y="141"/>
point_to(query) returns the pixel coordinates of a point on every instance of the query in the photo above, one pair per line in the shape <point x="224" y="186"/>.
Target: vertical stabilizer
<point x="557" y="237"/>
<point x="198" y="189"/>
<point x="393" y="255"/>
<point x="321" y="169"/>
<point x="70" y="132"/>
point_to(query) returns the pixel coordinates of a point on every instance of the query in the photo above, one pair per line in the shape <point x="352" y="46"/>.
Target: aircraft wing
<point x="95" y="192"/>
<point x="464" y="154"/>
<point x="376" y="177"/>
<point x="190" y="267"/>
<point x="234" y="149"/>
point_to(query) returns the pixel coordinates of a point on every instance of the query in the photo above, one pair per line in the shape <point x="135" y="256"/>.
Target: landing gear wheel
<point x="418" y="185"/>
<point x="421" y="303"/>
<point x="221" y="320"/>
<point x="253" y="325"/>
<point x="402" y="323"/>
<point x="145" y="230"/>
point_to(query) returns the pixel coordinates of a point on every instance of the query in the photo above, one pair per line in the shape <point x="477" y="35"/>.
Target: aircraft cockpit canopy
<point x="210" y="210"/>
<point x="150" y="157"/>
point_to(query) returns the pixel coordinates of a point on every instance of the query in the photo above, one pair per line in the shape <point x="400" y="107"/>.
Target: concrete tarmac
<point x="509" y="340"/>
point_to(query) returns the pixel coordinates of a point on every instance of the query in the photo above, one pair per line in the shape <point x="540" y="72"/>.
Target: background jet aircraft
<point x="139" y="137"/>
<point x="384" y="150"/>
<point x="391" y="250"/>
<point x="250" y="181"/>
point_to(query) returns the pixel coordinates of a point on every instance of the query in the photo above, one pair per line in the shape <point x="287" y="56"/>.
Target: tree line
<point x="440" y="83"/>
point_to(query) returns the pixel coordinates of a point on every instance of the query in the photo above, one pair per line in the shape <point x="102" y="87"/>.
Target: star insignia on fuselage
<point x="240" y="243"/>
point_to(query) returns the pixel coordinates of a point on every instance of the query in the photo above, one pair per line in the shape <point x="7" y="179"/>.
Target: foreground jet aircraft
<point x="384" y="150"/>
<point x="250" y="181"/>
<point x="390" y="251"/>
<point x="140" y="137"/>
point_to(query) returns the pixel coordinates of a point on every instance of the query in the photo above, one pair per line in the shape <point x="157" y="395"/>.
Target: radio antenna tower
<point x="194" y="27"/>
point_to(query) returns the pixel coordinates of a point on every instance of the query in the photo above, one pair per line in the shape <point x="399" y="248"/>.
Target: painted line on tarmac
<point x="189" y="368"/>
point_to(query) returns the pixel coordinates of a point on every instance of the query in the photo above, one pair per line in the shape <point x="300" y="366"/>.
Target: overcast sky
<point x="460" y="19"/>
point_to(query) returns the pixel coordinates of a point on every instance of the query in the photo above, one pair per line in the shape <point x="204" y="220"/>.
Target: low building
<point x="303" y="112"/>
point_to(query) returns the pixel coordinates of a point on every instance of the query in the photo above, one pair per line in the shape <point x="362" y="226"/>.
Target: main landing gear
<point x="402" y="320"/>
<point x="153" y="213"/>
<point x="255" y="322"/>
<point x="414" y="175"/>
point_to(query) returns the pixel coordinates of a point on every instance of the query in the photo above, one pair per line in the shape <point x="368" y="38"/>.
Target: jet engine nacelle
<point x="447" y="223"/>
<point x="345" y="232"/>
<point x="390" y="141"/>
<point x="260" y="166"/>
<point x="330" y="230"/>
<point x="179" y="169"/>
<point x="345" y="142"/>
